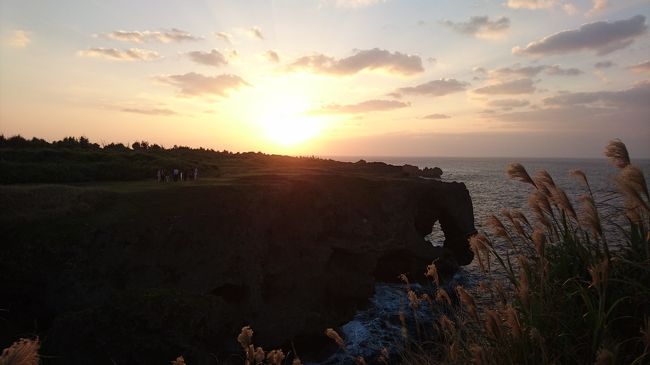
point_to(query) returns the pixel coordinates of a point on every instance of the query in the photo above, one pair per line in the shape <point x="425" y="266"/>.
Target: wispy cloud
<point x="435" y="88"/>
<point x="152" y="111"/>
<point x="436" y="116"/>
<point x="480" y="26"/>
<point x="597" y="7"/>
<point x="601" y="37"/>
<point x="531" y="4"/>
<point x="272" y="56"/>
<point x="256" y="32"/>
<point x="640" y="67"/>
<point x="131" y="54"/>
<point x="519" y="86"/>
<point x="362" y="107"/>
<point x="559" y="71"/>
<point x="350" y="3"/>
<point x="508" y="104"/>
<point x="635" y="96"/>
<point x="19" y="39"/>
<point x="194" y="84"/>
<point x="224" y="36"/>
<point x="164" y="36"/>
<point x="603" y="64"/>
<point x="372" y="59"/>
<point x="530" y="71"/>
<point x="213" y="58"/>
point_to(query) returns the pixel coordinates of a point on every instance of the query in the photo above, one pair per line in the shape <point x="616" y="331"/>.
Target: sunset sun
<point x="285" y="120"/>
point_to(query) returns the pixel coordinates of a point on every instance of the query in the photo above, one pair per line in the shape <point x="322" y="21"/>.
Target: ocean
<point x="378" y="325"/>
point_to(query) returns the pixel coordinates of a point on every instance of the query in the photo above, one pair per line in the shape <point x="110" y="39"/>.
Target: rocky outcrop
<point x="142" y="276"/>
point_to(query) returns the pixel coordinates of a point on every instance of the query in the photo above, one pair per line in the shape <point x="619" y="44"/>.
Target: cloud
<point x="351" y="3"/>
<point x="153" y="111"/>
<point x="559" y="71"/>
<point x="508" y="104"/>
<point x="131" y="54"/>
<point x="194" y="84"/>
<point x="519" y="86"/>
<point x="480" y="26"/>
<point x="256" y="32"/>
<point x="530" y="71"/>
<point x="597" y="7"/>
<point x="602" y="37"/>
<point x="163" y="36"/>
<point x="19" y="39"/>
<point x="363" y="107"/>
<point x="531" y="4"/>
<point x="436" y="116"/>
<point x="640" y="67"/>
<point x="604" y="64"/>
<point x="636" y="96"/>
<point x="372" y="59"/>
<point x="272" y="56"/>
<point x="435" y="88"/>
<point x="212" y="58"/>
<point x="224" y="36"/>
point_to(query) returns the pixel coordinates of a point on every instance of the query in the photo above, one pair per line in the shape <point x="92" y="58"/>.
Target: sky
<point x="469" y="78"/>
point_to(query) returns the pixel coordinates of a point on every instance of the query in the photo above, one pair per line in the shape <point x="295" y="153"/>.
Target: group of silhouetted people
<point x="177" y="175"/>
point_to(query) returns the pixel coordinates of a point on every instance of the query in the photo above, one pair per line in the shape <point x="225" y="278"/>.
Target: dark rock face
<point x="142" y="277"/>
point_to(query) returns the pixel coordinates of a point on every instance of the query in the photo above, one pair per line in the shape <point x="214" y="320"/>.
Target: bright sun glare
<point x="285" y="120"/>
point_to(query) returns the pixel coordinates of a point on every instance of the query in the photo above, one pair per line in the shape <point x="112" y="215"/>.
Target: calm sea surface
<point x="491" y="190"/>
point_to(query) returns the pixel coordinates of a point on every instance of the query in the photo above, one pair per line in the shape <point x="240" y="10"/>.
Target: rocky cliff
<point x="141" y="276"/>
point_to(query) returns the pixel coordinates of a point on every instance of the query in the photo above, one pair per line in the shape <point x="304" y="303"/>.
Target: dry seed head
<point x="245" y="337"/>
<point x="179" y="361"/>
<point x="599" y="274"/>
<point x="512" y="320"/>
<point x="296" y="361"/>
<point x="544" y="182"/>
<point x="477" y="249"/>
<point x="632" y="193"/>
<point x="275" y="357"/>
<point x="360" y="360"/>
<point x="21" y="352"/>
<point x="404" y="279"/>
<point x="414" y="301"/>
<point x="580" y="175"/>
<point x="442" y="296"/>
<point x="479" y="356"/>
<point x="589" y="216"/>
<point x="539" y="240"/>
<point x="498" y="228"/>
<point x="560" y="198"/>
<point x="501" y="292"/>
<point x="492" y="324"/>
<point x="432" y="272"/>
<point x="468" y="301"/>
<point x="617" y="153"/>
<point x="523" y="288"/>
<point x="604" y="357"/>
<point x="541" y="207"/>
<point x="634" y="177"/>
<point x="427" y="298"/>
<point x="259" y="355"/>
<point x="453" y="351"/>
<point x="518" y="215"/>
<point x="331" y="333"/>
<point x="448" y="327"/>
<point x="516" y="171"/>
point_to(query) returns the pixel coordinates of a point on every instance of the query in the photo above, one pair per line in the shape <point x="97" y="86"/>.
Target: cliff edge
<point x="140" y="276"/>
